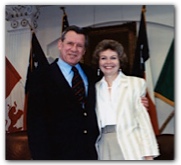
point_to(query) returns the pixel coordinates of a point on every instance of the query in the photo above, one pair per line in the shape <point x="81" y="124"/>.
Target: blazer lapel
<point x="123" y="96"/>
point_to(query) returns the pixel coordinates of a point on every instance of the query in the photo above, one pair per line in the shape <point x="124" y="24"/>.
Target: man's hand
<point x="145" y="102"/>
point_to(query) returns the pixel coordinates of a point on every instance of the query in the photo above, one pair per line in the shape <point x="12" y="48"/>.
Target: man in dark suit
<point x="59" y="127"/>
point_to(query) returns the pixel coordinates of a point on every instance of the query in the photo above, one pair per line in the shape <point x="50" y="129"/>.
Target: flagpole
<point x="64" y="14"/>
<point x="144" y="11"/>
<point x="27" y="94"/>
<point x="167" y="121"/>
<point x="63" y="9"/>
<point x="144" y="8"/>
<point x="31" y="28"/>
<point x="65" y="23"/>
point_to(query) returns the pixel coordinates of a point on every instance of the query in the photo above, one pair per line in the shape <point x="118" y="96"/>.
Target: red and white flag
<point x="14" y="96"/>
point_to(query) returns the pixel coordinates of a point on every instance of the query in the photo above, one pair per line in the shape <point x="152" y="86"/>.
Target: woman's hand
<point x="148" y="157"/>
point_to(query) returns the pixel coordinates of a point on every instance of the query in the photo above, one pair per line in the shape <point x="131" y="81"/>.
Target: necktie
<point x="78" y="86"/>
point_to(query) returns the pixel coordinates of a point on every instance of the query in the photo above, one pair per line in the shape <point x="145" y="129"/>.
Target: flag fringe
<point x="164" y="99"/>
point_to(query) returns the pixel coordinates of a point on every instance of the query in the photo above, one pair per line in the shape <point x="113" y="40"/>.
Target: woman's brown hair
<point x="112" y="45"/>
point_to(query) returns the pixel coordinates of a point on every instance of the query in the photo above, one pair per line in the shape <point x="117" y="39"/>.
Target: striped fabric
<point x="134" y="130"/>
<point x="78" y="86"/>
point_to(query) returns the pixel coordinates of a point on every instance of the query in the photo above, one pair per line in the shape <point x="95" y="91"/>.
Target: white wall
<point x="160" y="28"/>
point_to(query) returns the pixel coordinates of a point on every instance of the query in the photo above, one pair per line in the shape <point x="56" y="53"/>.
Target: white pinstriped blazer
<point x="134" y="130"/>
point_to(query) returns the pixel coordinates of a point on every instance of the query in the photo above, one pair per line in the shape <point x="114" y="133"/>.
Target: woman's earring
<point x="98" y="72"/>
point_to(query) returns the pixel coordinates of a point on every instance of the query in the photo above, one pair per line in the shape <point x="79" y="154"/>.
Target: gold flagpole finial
<point x="63" y="9"/>
<point x="31" y="28"/>
<point x="144" y="8"/>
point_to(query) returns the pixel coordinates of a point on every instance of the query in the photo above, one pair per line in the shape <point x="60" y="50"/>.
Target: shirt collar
<point x="116" y="81"/>
<point x="65" y="67"/>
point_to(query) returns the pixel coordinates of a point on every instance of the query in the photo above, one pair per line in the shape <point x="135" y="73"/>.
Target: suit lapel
<point x="90" y="77"/>
<point x="59" y="80"/>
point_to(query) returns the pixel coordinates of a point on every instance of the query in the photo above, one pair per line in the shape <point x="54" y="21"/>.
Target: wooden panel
<point x="125" y="34"/>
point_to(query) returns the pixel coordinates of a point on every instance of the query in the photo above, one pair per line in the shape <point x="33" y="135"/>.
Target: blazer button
<point x="85" y="114"/>
<point x="85" y="131"/>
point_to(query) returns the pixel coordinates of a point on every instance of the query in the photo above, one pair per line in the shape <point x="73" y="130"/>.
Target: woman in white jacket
<point x="126" y="132"/>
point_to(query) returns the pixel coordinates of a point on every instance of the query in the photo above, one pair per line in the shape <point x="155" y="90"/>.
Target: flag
<point x="12" y="77"/>
<point x="141" y="68"/>
<point x="65" y="22"/>
<point x="165" y="85"/>
<point x="14" y="97"/>
<point x="37" y="60"/>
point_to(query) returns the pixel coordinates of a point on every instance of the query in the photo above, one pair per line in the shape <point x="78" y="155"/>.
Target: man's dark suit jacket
<point x="58" y="127"/>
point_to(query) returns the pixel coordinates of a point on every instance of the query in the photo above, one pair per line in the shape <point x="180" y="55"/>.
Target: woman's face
<point x="109" y="62"/>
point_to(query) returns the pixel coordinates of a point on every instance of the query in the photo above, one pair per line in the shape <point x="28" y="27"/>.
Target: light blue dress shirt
<point x="68" y="73"/>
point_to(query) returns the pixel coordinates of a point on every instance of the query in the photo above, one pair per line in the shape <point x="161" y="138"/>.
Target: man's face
<point x="72" y="48"/>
